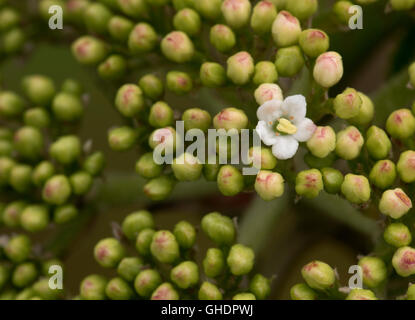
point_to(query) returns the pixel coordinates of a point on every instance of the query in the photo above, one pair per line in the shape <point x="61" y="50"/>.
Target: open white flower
<point x="282" y="125"/>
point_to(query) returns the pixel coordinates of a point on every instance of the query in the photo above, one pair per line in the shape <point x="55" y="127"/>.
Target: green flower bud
<point x="410" y="294"/>
<point x="383" y="174"/>
<point x="260" y="287"/>
<point x="6" y="165"/>
<point x="318" y="275"/>
<point x="349" y="143"/>
<point x="12" y="212"/>
<point x="135" y="222"/>
<point x="165" y="292"/>
<point x="11" y="105"/>
<point x="45" y="266"/>
<point x="406" y="166"/>
<point x="146" y="282"/>
<point x="347" y="104"/>
<point x="361" y="294"/>
<point x="72" y="86"/>
<point x="230" y="180"/>
<point x="378" y="143"/>
<point x="219" y="228"/>
<point x="212" y="75"/>
<point x="164" y="247"/>
<point x="151" y="86"/>
<point x="269" y="185"/>
<point x="341" y="11"/>
<point x="143" y="241"/>
<point x="374" y="271"/>
<point x="401" y="124"/>
<point x="159" y="188"/>
<point x="265" y="72"/>
<point x="109" y="252"/>
<point x="114" y="67"/>
<point x="309" y="183"/>
<point x="185" y="234"/>
<point x="56" y="190"/>
<point x="81" y="182"/>
<point x="36" y="117"/>
<point x="177" y="47"/>
<point x="214" y="263"/>
<point x="13" y="41"/>
<point x="94" y="163"/>
<point x="230" y="118"/>
<point x="210" y="171"/>
<point x="400" y="5"/>
<point x="403" y="261"/>
<point x="187" y="167"/>
<point x="6" y="148"/>
<point x="286" y="29"/>
<point x="39" y="89"/>
<point x="143" y="38"/>
<point x="289" y="61"/>
<point x="302" y="9"/>
<point x="395" y="203"/>
<point x="42" y="290"/>
<point x="268" y="91"/>
<point x="244" y="296"/>
<point x="120" y="28"/>
<point x="67" y="107"/>
<point x="185" y="275"/>
<point x="21" y="177"/>
<point x="147" y="168"/>
<point x="411" y="72"/>
<point x="96" y="17"/>
<point x="221" y="37"/>
<point x="165" y="137"/>
<point x="64" y="213"/>
<point x="322" y="142"/>
<point x="89" y="50"/>
<point x="181" y="4"/>
<point x="356" y="188"/>
<point x="24" y="274"/>
<point x="93" y="287"/>
<point x="196" y="118"/>
<point x="66" y="150"/>
<point x="301" y="291"/>
<point x="179" y="82"/>
<point x="240" y="68"/>
<point x="133" y="8"/>
<point x="34" y="218"/>
<point x="328" y="69"/>
<point x="9" y="18"/>
<point x="118" y="289"/>
<point x="6" y="133"/>
<point x="209" y="9"/>
<point x="129" y="268"/>
<point x="314" y="42"/>
<point x="129" y="100"/>
<point x="74" y="11"/>
<point x="397" y="235"/>
<point x="236" y="12"/>
<point x="263" y="16"/>
<point x="25" y="294"/>
<point x="28" y="142"/>
<point x="208" y="291"/>
<point x="366" y="112"/>
<point x="122" y="138"/>
<point x="188" y="21"/>
<point x="18" y="248"/>
<point x="263" y="156"/>
<point x="240" y="259"/>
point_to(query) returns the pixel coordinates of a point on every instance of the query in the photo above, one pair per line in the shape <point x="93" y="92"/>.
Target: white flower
<point x="282" y="125"/>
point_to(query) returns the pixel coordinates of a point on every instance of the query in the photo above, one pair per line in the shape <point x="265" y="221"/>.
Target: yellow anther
<point x="285" y="126"/>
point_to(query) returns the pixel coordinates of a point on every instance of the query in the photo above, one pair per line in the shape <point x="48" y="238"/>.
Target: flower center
<point x="285" y="126"/>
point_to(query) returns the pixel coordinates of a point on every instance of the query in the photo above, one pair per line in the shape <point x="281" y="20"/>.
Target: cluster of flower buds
<point x="12" y="35"/>
<point x="164" y="265"/>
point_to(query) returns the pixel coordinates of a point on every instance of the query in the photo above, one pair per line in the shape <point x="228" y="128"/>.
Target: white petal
<point x="266" y="134"/>
<point x="295" y="108"/>
<point x="305" y="130"/>
<point x="270" y="111"/>
<point x="285" y="147"/>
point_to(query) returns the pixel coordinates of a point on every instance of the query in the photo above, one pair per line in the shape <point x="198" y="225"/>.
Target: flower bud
<point x="179" y="82"/>
<point x="214" y="263"/>
<point x="260" y="287"/>
<point x="400" y="5"/>
<point x="401" y="124"/>
<point x="56" y="190"/>
<point x="302" y="9"/>
<point x="309" y="183"/>
<point x="219" y="228"/>
<point x="322" y="142"/>
<point x="210" y="171"/>
<point x="188" y="21"/>
<point x="28" y="142"/>
<point x="165" y="292"/>
<point x="411" y="71"/>
<point x="286" y="29"/>
<point x="9" y="18"/>
<point x="212" y="74"/>
<point x="96" y="17"/>
<point x="269" y="185"/>
<point x="366" y="112"/>
<point x="94" y="163"/>
<point x="39" y="89"/>
<point x="34" y="218"/>
<point x="185" y="234"/>
<point x="129" y="268"/>
<point x="42" y="290"/>
<point x="177" y="47"/>
<point x="18" y="248"/>
<point x="146" y="282"/>
<point x="161" y="115"/>
<point x="134" y="8"/>
<point x="244" y="296"/>
<point x="236" y="12"/>
<point x="406" y="166"/>
<point x="222" y="37"/>
<point x="383" y="174"/>
<point x="81" y="182"/>
<point x="347" y="104"/>
<point x="240" y="68"/>
<point x="151" y="86"/>
<point x="13" y="41"/>
<point x="135" y="222"/>
<point x="397" y="235"/>
<point x="268" y="91"/>
<point x="374" y="271"/>
<point x="122" y="138"/>
<point x="314" y="42"/>
<point x="89" y="50"/>
<point x="196" y="118"/>
<point x="263" y="16"/>
<point x="143" y="38"/>
<point x="403" y="261"/>
<point x="66" y="150"/>
<point x="67" y="107"/>
<point x="6" y="148"/>
<point x="289" y="61"/>
<point x="93" y="287"/>
<point x="185" y="275"/>
<point x="64" y="213"/>
<point x="109" y="252"/>
<point x="120" y="28"/>
<point x="6" y="165"/>
<point x="118" y="289"/>
<point x="129" y="100"/>
<point x="159" y="188"/>
<point x="265" y="72"/>
<point x="263" y="156"/>
<point x="395" y="203"/>
<point x="4" y="276"/>
<point x="301" y="291"/>
<point x="318" y="275"/>
<point x="341" y="11"/>
<point x="114" y="67"/>
<point x="20" y="177"/>
<point x="6" y="133"/>
<point x="240" y="259"/>
<point x="328" y="69"/>
<point x="73" y="87"/>
<point x="24" y="274"/>
<point x="349" y="143"/>
<point x="165" y="137"/>
<point x="378" y="143"/>
<point x="361" y="294"/>
<point x="11" y="105"/>
<point x="410" y="294"/>
<point x="147" y="168"/>
<point x="36" y="117"/>
<point x="11" y="214"/>
<point x="208" y="291"/>
<point x="356" y="188"/>
<point x="25" y="294"/>
<point x="164" y="247"/>
<point x="230" y="180"/>
<point x="209" y="9"/>
<point x="143" y="241"/>
<point x="187" y="167"/>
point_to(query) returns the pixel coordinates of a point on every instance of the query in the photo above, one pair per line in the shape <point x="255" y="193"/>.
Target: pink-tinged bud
<point x="383" y="174"/>
<point x="263" y="16"/>
<point x="314" y="42"/>
<point x="349" y="143"/>
<point x="401" y="124"/>
<point x="403" y="261"/>
<point x="262" y="158"/>
<point x="143" y="38"/>
<point x="361" y="294"/>
<point x="318" y="275"/>
<point x="230" y="118"/>
<point x="341" y="10"/>
<point x="356" y="188"/>
<point x="347" y="104"/>
<point x="328" y="69"/>
<point x="374" y="271"/>
<point x="269" y="185"/>
<point x="268" y="91"/>
<point x="395" y="203"/>
<point x="397" y="235"/>
<point x="222" y="37"/>
<point x="236" y="12"/>
<point x="309" y="183"/>
<point x="322" y="142"/>
<point x="240" y="68"/>
<point x="286" y="29"/>
<point x="89" y="50"/>
<point x="406" y="166"/>
<point x="177" y="46"/>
